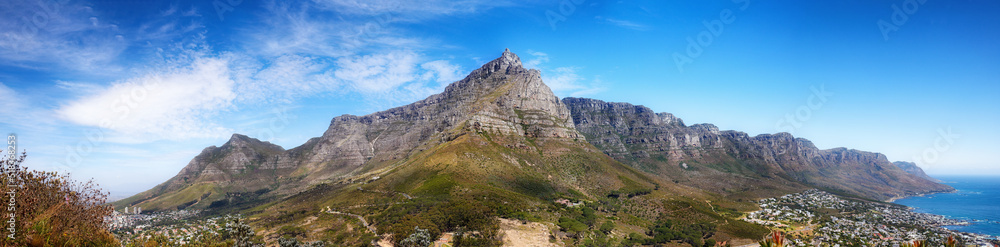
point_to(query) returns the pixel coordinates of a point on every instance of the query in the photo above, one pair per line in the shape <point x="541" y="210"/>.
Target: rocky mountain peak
<point x="507" y="63"/>
<point x="243" y="141"/>
<point x="238" y="140"/>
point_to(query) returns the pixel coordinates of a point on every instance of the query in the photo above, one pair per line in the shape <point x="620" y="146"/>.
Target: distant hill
<point x="912" y="168"/>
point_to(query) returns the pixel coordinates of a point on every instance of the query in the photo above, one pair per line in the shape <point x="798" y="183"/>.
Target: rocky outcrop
<point x="912" y="168"/>
<point x="633" y="134"/>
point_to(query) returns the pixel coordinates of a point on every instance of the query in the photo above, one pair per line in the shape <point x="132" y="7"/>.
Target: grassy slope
<point x="517" y="182"/>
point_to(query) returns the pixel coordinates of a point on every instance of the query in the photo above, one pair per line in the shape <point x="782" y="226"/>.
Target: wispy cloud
<point x="180" y="87"/>
<point x="168" y="105"/>
<point x="563" y="80"/>
<point x="410" y="10"/>
<point x="537" y="59"/>
<point x="283" y="80"/>
<point x="623" y="23"/>
<point x="36" y="34"/>
<point x="379" y="72"/>
<point x="395" y="76"/>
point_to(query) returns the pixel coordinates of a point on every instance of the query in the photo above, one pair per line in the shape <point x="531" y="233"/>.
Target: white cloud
<point x="38" y="34"/>
<point x="377" y="72"/>
<point x="292" y="30"/>
<point x="564" y="80"/>
<point x="285" y="79"/>
<point x="441" y="71"/>
<point x="539" y="58"/>
<point x="167" y="105"/>
<point x="78" y="87"/>
<point x="411" y="9"/>
<point x="395" y="77"/>
<point x="624" y="23"/>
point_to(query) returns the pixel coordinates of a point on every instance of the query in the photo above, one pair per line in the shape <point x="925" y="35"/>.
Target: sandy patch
<point x="532" y="234"/>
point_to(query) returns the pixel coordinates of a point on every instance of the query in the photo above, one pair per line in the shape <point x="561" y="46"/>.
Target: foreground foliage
<point x="50" y="209"/>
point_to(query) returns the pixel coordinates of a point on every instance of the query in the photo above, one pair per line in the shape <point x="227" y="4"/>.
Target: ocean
<point x="977" y="200"/>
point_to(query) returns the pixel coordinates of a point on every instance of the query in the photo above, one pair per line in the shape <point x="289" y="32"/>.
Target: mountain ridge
<point x="633" y="134"/>
<point x="511" y="104"/>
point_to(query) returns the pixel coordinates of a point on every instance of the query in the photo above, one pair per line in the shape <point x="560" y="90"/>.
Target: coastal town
<point x="817" y="218"/>
<point x="178" y="227"/>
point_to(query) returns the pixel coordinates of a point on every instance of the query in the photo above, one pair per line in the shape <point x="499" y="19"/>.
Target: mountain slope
<point x="702" y="155"/>
<point x="912" y="168"/>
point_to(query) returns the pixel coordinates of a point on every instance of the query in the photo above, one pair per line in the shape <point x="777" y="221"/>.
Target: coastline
<point x="850" y="221"/>
<point x="894" y="198"/>
<point x="951" y="221"/>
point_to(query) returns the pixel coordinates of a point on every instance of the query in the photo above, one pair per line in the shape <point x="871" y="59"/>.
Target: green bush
<point x="571" y="225"/>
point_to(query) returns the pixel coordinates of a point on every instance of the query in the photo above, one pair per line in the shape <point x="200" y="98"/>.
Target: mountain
<point x="734" y="163"/>
<point x="501" y="98"/>
<point x="499" y="143"/>
<point x="912" y="168"/>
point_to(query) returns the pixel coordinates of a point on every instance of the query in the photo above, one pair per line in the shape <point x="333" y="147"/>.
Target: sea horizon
<point x="974" y="200"/>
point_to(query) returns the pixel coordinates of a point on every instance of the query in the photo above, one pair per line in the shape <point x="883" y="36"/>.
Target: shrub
<point x="775" y="239"/>
<point x="53" y="210"/>
<point x="419" y="238"/>
<point x="607" y="227"/>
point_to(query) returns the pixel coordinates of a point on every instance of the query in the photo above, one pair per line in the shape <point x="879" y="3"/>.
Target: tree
<point x="50" y="209"/>
<point x="419" y="238"/>
<point x="241" y="233"/>
<point x="294" y="242"/>
<point x="607" y="227"/>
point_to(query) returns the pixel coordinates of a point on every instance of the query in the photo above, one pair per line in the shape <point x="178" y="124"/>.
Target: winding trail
<point x="364" y="222"/>
<point x="362" y="219"/>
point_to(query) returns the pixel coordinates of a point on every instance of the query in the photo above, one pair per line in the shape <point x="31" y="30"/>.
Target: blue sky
<point x="127" y="92"/>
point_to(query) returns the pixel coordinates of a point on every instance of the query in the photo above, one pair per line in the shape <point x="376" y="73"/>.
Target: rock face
<point x="636" y="135"/>
<point x="911" y="168"/>
<point x="501" y="98"/>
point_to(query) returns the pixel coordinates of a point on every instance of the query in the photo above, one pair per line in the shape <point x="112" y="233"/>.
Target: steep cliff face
<point x="500" y="98"/>
<point x="635" y="135"/>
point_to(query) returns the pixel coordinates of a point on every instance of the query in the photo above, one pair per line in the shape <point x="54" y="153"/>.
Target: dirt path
<point x="362" y="219"/>
<point x="533" y="234"/>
